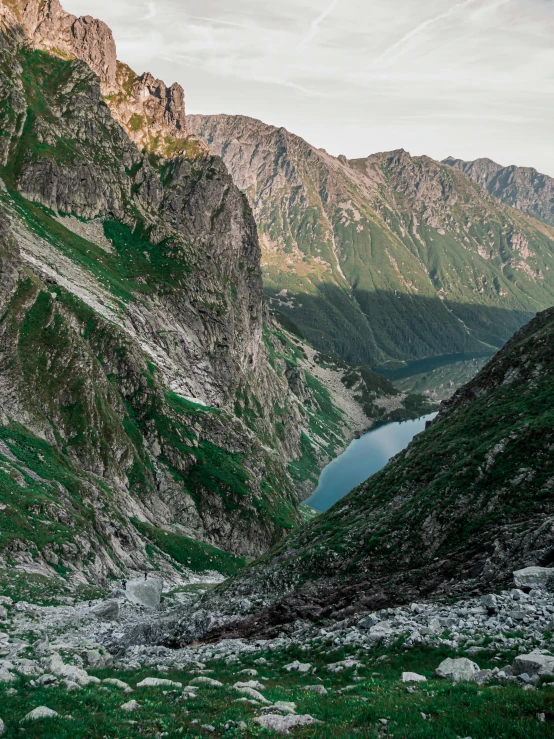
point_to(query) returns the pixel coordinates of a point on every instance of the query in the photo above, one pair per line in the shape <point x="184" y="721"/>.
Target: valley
<point x="207" y="327"/>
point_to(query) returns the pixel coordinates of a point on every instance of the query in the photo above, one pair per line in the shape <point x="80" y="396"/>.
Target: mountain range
<point x="390" y="258"/>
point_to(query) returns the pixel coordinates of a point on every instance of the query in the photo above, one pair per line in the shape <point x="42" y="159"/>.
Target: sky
<point x="467" y="78"/>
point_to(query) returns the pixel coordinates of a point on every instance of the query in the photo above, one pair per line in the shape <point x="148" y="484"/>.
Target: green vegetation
<point x="359" y="701"/>
<point x="194" y="555"/>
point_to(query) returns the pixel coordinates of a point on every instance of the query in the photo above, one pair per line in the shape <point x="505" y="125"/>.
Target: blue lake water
<point x="364" y="457"/>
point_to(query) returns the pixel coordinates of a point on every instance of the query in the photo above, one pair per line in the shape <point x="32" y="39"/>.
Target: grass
<point x="434" y="710"/>
<point x="194" y="555"/>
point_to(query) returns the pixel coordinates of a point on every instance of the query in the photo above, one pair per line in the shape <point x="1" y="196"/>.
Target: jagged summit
<point x="152" y="113"/>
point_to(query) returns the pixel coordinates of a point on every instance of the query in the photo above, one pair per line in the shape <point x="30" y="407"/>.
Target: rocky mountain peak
<point x="152" y="113"/>
<point x="50" y="28"/>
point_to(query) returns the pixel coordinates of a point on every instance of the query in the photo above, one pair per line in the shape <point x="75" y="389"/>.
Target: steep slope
<point x="467" y="503"/>
<point x="521" y="187"/>
<point x="386" y="258"/>
<point x="146" y="391"/>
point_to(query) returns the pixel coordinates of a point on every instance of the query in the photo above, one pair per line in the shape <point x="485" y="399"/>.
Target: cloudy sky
<point x="468" y="78"/>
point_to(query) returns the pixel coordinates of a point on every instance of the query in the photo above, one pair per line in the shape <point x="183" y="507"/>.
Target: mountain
<point x="467" y="503"/>
<point x="151" y="408"/>
<point x="385" y="259"/>
<point x="521" y="187"/>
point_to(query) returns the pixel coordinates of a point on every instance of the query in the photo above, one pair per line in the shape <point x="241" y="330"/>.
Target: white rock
<point x="2" y="727"/>
<point x="255" y="695"/>
<point x="156" y="682"/>
<point x="116" y="683"/>
<point x="533" y="664"/>
<point x="534" y="577"/>
<point x="145" y="593"/>
<point x="457" y="669"/>
<point x="413" y="677"/>
<point x="490" y="602"/>
<point x="3" y="613"/>
<point x="6" y="676"/>
<point x="250" y="684"/>
<point x="368" y="621"/>
<point x="206" y="681"/>
<point x="283" y="724"/>
<point x="56" y="666"/>
<point x="130" y="706"/>
<point x="319" y="689"/>
<point x="297" y="666"/>
<point x="40" y="712"/>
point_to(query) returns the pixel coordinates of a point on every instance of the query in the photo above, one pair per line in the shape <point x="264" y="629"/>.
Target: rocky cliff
<point x="390" y="257"/>
<point x="521" y="187"/>
<point x="149" y="400"/>
<point x="466" y="504"/>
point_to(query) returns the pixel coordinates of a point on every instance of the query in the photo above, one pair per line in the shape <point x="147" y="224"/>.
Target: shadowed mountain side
<point x="370" y="326"/>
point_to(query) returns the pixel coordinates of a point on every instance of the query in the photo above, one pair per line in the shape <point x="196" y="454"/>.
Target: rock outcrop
<point x="521" y="187"/>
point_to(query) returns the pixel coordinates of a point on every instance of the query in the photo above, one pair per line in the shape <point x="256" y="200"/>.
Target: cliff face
<point x="521" y="187"/>
<point x="467" y="503"/>
<point x="387" y="257"/>
<point x="145" y="389"/>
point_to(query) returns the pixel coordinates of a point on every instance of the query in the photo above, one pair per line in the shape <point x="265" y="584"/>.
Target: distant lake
<point x="364" y="457"/>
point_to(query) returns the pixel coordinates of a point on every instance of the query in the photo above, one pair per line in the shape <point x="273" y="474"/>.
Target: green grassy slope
<point x="469" y="501"/>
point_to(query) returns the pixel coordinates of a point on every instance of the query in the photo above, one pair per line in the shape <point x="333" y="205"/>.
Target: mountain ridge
<point x="355" y="250"/>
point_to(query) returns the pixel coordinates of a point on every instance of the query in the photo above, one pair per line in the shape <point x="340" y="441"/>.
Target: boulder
<point x="319" y="689"/>
<point x="116" y="683"/>
<point x="56" y="666"/>
<point x="2" y="727"/>
<point x="297" y="666"/>
<point x="145" y="593"/>
<point x="490" y="602"/>
<point x="156" y="682"/>
<point x="40" y="712"/>
<point x="250" y="684"/>
<point x="97" y="660"/>
<point x="368" y="621"/>
<point x="457" y="669"/>
<point x="106" y="611"/>
<point x="533" y="664"/>
<point x="283" y="724"/>
<point x="255" y="695"/>
<point x="413" y="677"/>
<point x="206" y="681"/>
<point x="3" y="613"/>
<point x="130" y="706"/>
<point x="6" y="676"/>
<point x="540" y="578"/>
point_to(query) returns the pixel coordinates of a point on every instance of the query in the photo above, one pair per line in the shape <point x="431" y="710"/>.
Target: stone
<point x="283" y="724"/>
<point x="297" y="666"/>
<point x="130" y="706"/>
<point x="413" y="677"/>
<point x="2" y="727"/>
<point x="6" y="676"/>
<point x="490" y="602"/>
<point x="97" y="660"/>
<point x="208" y="727"/>
<point x="157" y="682"/>
<point x="47" y="679"/>
<point x="255" y="695"/>
<point x="116" y="683"/>
<point x="56" y="666"/>
<point x="145" y="593"/>
<point x="368" y="621"/>
<point x="533" y="664"/>
<point x="40" y="712"/>
<point x="319" y="689"/>
<point x="457" y="669"/>
<point x="206" y="681"/>
<point x="3" y="613"/>
<point x="540" y="578"/>
<point x="250" y="684"/>
<point x="106" y="611"/>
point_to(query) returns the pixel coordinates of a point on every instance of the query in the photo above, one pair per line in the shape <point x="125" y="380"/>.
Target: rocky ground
<point x="479" y="667"/>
